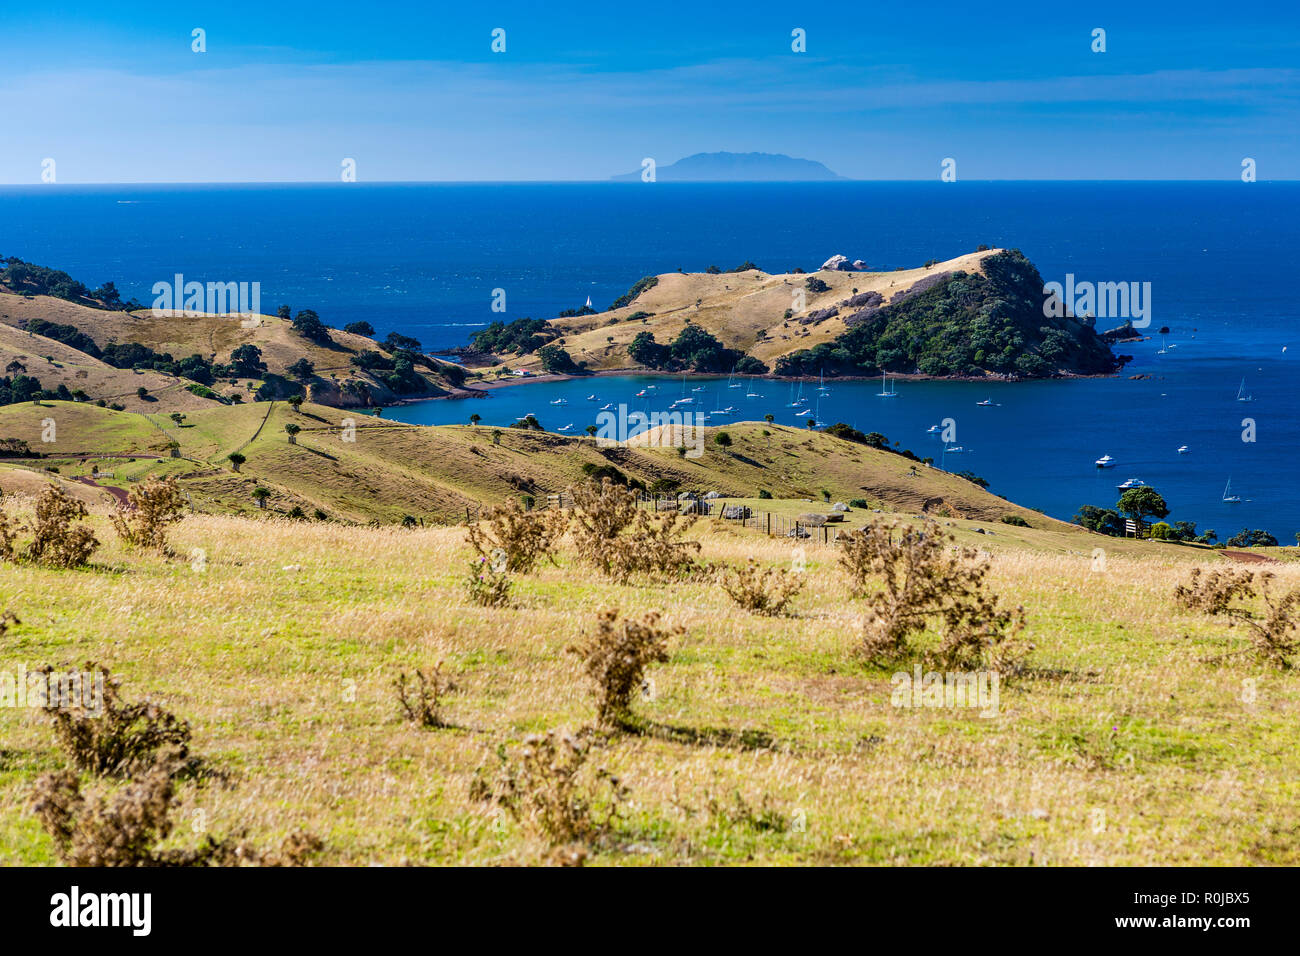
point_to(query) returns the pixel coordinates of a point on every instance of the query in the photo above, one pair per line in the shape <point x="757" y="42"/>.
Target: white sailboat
<point x="1228" y="496"/>
<point x="685" y="399"/>
<point x="1241" y="393"/>
<point x="817" y="416"/>
<point x="886" y="391"/>
<point x="821" y="382"/>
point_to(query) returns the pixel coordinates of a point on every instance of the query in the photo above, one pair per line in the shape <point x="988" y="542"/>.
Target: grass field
<point x="768" y="740"/>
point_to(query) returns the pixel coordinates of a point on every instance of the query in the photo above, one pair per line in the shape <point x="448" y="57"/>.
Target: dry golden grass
<point x="213" y="337"/>
<point x="763" y="739"/>
<point x="392" y="469"/>
<point x="743" y="310"/>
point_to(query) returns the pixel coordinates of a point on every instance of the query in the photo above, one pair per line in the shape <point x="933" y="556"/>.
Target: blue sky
<point x="286" y="91"/>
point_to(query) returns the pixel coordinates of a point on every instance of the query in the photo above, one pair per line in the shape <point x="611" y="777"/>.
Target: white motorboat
<point x="1105" y="461"/>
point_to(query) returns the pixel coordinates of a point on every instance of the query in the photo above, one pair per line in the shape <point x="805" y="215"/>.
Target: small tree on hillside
<point x="302" y="370"/>
<point x="722" y="440"/>
<point x="1142" y="503"/>
<point x="236" y="459"/>
<point x="260" y="495"/>
<point x="475" y="418"/>
<point x="293" y="431"/>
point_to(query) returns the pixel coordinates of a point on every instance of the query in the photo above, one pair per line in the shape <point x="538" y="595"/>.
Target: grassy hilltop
<point x="394" y="469"/>
<point x="54" y="331"/>
<point x="976" y="315"/>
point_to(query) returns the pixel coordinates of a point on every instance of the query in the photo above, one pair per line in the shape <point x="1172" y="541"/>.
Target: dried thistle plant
<point x="1274" y="635"/>
<point x="615" y="657"/>
<point x="113" y="738"/>
<point x="522" y="537"/>
<point x="615" y="536"/>
<point x="152" y="506"/>
<point x="421" y="698"/>
<point x="544" y="788"/>
<point x="124" y="827"/>
<point x="919" y="575"/>
<point x="57" y="539"/>
<point x="8" y="536"/>
<point x="486" y="585"/>
<point x="762" y="590"/>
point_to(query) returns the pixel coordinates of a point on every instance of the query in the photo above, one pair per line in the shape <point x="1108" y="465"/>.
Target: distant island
<point x="738" y="168"/>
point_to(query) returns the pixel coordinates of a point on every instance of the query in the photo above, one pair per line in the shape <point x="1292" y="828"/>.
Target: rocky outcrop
<point x="837" y="264"/>
<point x="821" y="315"/>
<point x="863" y="299"/>
<point x="919" y="286"/>
<point x="864" y="315"/>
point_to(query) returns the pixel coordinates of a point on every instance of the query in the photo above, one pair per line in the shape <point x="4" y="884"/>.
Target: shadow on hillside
<point x="703" y="736"/>
<point x="747" y="460"/>
<point x="314" y="451"/>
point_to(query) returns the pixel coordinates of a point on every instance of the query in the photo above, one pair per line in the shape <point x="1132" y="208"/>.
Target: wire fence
<point x="816" y="529"/>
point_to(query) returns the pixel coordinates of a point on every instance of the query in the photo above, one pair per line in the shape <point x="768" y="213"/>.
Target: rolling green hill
<point x="390" y="470"/>
<point x="73" y="333"/>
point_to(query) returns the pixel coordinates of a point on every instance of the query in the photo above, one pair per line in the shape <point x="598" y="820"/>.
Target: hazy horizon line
<point x="608" y="181"/>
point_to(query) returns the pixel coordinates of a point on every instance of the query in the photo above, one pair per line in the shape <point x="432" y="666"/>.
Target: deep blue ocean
<point x="424" y="259"/>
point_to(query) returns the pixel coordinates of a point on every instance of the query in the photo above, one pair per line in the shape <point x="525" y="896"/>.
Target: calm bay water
<point x="423" y="260"/>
